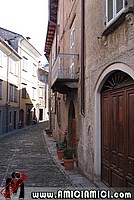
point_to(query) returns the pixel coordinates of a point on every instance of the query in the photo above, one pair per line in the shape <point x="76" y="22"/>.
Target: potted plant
<point x="60" y="148"/>
<point x="68" y="159"/>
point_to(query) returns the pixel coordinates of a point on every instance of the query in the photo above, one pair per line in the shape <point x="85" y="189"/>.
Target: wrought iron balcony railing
<point x="65" y="68"/>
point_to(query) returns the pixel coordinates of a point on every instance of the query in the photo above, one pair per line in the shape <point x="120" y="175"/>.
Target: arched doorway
<point x="117" y="130"/>
<point x="71" y="137"/>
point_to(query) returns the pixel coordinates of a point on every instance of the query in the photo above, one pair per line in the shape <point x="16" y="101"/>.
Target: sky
<point x="26" y="17"/>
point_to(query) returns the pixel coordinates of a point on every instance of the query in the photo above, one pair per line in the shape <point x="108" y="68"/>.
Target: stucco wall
<point x="101" y="52"/>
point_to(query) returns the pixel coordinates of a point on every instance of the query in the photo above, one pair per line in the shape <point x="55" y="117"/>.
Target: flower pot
<point x="49" y="133"/>
<point x="60" y="154"/>
<point x="68" y="164"/>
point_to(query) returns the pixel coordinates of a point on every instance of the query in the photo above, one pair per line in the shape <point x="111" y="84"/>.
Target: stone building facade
<point x="98" y="108"/>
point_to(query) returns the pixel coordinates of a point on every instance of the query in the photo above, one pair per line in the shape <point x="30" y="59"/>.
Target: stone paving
<point x="33" y="152"/>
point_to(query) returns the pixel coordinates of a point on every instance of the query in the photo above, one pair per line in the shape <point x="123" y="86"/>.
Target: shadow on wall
<point x="16" y="108"/>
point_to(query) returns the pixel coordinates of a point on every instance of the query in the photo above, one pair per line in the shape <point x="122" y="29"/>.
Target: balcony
<point x="65" y="73"/>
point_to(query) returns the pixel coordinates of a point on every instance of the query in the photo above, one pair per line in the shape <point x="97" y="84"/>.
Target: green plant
<point x="68" y="153"/>
<point x="63" y="145"/>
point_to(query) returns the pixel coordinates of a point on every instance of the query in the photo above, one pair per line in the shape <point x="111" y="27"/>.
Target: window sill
<point x="116" y="22"/>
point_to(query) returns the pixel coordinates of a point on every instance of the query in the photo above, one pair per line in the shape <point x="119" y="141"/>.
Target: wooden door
<point x="118" y="137"/>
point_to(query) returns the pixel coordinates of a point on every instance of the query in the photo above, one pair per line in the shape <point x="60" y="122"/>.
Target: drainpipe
<point x="7" y="92"/>
<point x="7" y="96"/>
<point x="20" y="68"/>
<point x="83" y="57"/>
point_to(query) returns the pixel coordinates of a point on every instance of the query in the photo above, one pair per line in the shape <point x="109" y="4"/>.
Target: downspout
<point x="83" y="57"/>
<point x="20" y="68"/>
<point x="7" y="96"/>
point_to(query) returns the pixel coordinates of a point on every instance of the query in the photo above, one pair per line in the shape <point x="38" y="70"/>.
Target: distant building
<point x="26" y="76"/>
<point x="9" y="87"/>
<point x="43" y="92"/>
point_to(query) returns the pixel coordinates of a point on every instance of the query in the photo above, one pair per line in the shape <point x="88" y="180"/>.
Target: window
<point x="16" y="69"/>
<point x="34" y="95"/>
<point x="113" y="9"/>
<point x="24" y="67"/>
<point x="15" y="94"/>
<point x="0" y="89"/>
<point x="34" y="69"/>
<point x="41" y="92"/>
<point x="41" y="77"/>
<point x="11" y="93"/>
<point x="11" y="66"/>
<point x="24" y="93"/>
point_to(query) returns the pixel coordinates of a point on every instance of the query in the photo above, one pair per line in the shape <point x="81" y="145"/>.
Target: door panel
<point x="105" y="140"/>
<point x="130" y="138"/>
<point x="118" y="138"/>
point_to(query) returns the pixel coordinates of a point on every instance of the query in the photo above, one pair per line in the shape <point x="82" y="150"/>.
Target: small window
<point x="41" y="77"/>
<point x="25" y="63"/>
<point x="11" y="93"/>
<point x="34" y="93"/>
<point x="15" y="94"/>
<point x="113" y="9"/>
<point x="41" y="92"/>
<point x="16" y="69"/>
<point x="34" y="69"/>
<point x="24" y="92"/>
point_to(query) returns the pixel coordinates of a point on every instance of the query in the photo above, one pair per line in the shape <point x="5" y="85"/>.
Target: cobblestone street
<point x="27" y="150"/>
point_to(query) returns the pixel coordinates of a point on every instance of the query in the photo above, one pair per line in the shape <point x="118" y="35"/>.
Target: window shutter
<point x="119" y="5"/>
<point x="110" y="9"/>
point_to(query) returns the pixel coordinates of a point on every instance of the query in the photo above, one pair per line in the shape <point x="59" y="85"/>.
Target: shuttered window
<point x="113" y="9"/>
